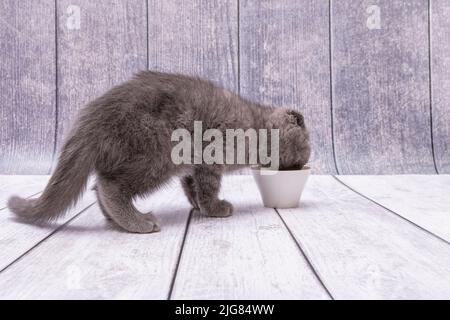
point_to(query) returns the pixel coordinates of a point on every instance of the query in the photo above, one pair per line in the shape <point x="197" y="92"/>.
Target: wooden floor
<point x="353" y="237"/>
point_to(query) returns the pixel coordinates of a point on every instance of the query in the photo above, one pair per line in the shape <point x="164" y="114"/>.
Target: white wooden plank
<point x="25" y="186"/>
<point x="247" y="256"/>
<point x="440" y="81"/>
<point x="362" y="251"/>
<point x="198" y="37"/>
<point x="422" y="199"/>
<point x="381" y="106"/>
<point x="285" y="61"/>
<point x="100" y="44"/>
<point x="27" y="86"/>
<point x="17" y="237"/>
<point x="92" y="259"/>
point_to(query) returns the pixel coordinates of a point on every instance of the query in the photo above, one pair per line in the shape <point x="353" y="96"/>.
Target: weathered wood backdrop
<point x="371" y="76"/>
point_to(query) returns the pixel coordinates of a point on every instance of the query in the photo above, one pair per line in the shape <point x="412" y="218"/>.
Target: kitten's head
<point x="295" y="148"/>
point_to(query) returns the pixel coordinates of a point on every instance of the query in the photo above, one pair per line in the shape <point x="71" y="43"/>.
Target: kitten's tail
<point x="65" y="186"/>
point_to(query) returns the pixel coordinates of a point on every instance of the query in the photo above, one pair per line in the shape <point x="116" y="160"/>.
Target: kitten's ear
<point x="296" y="118"/>
<point x="281" y="118"/>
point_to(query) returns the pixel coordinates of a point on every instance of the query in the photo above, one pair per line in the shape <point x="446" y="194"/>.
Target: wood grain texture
<point x="422" y="199"/>
<point x="27" y="86"/>
<point x="362" y="251"/>
<point x="247" y="256"/>
<point x="358" y="249"/>
<point x="380" y="87"/>
<point x="24" y="186"/>
<point x="440" y="66"/>
<point x="284" y="55"/>
<point x="195" y="37"/>
<point x="91" y="259"/>
<point x="16" y="237"/>
<point x="109" y="46"/>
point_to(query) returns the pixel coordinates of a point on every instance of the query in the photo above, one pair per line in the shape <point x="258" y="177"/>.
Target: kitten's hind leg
<point x="187" y="182"/>
<point x="207" y="181"/>
<point x="119" y="206"/>
<point x="100" y="204"/>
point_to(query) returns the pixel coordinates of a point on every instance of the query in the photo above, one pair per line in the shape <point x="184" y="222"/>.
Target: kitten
<point x="124" y="137"/>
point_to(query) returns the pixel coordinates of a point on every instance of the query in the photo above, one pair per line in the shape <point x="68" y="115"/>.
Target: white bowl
<point x="281" y="189"/>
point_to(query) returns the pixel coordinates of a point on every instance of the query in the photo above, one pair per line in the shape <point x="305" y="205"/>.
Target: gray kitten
<point x="124" y="137"/>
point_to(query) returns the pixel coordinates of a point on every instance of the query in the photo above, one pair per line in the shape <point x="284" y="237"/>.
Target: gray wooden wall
<point x="371" y="76"/>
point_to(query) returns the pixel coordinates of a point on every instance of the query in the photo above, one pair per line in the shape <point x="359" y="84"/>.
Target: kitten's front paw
<point x="219" y="209"/>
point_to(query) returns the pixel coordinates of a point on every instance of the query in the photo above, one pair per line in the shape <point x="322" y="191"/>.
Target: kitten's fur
<point x="125" y="138"/>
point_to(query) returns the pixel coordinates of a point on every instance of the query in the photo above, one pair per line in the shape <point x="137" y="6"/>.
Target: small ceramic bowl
<point x="281" y="189"/>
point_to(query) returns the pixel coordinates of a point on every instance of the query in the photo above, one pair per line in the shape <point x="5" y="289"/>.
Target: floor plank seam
<point x="390" y="210"/>
<point x="308" y="261"/>
<point x="177" y="265"/>
<point x="45" y="238"/>
<point x="34" y="194"/>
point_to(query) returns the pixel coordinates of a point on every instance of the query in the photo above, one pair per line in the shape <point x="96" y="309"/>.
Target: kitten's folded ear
<point x="283" y="117"/>
<point x="296" y="118"/>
